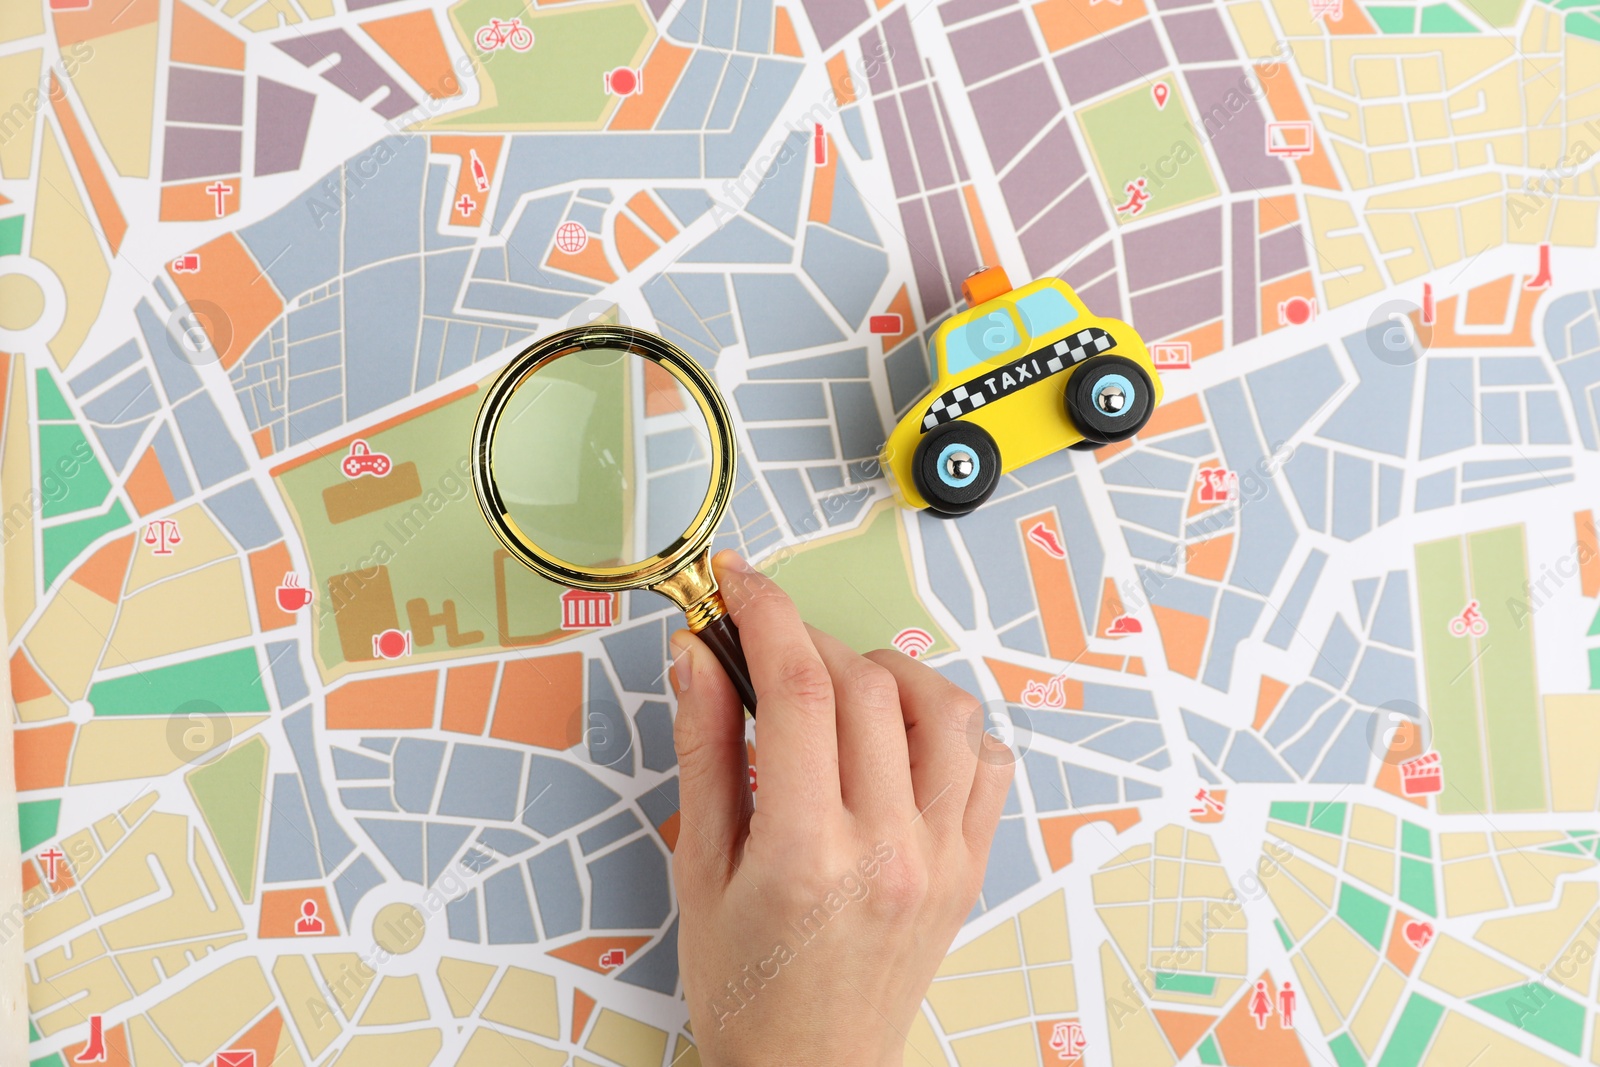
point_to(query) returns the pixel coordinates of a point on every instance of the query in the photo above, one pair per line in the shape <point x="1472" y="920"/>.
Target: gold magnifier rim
<point x="654" y="569"/>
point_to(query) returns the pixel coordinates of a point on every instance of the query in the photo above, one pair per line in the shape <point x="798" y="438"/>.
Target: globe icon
<point x="571" y="237"/>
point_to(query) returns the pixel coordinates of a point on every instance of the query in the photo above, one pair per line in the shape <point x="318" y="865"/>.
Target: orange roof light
<point x="984" y="284"/>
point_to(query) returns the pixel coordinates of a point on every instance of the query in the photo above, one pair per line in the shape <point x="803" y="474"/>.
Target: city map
<point x="1303" y="681"/>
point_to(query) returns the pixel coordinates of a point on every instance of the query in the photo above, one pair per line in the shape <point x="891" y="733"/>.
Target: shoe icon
<point x="1123" y="625"/>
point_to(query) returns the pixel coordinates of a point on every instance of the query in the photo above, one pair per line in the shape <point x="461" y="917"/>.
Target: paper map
<point x="1303" y="678"/>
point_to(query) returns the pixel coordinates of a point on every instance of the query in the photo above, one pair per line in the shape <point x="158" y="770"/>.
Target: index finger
<point x="796" y="736"/>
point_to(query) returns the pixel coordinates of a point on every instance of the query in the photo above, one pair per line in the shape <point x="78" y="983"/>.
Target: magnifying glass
<point x="603" y="458"/>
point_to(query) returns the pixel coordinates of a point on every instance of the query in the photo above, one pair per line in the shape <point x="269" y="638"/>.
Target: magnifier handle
<point x="723" y="637"/>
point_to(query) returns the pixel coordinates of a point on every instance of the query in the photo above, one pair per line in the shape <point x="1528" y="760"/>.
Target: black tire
<point x="1100" y="373"/>
<point x="1087" y="445"/>
<point x="947" y="496"/>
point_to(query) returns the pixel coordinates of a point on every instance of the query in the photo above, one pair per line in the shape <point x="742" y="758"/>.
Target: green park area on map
<point x="433" y="547"/>
<point x="1484" y="700"/>
<point x="1130" y="137"/>
<point x="559" y="81"/>
<point x="857" y="587"/>
<point x="567" y="461"/>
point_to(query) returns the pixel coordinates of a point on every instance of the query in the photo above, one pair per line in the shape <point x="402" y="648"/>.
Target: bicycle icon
<point x="497" y="35"/>
<point x="1470" y="620"/>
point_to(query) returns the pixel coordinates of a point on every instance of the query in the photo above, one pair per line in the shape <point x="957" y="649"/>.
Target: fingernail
<point x="735" y="562"/>
<point x="682" y="665"/>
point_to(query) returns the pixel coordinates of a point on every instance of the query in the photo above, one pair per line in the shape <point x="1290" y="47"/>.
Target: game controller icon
<point x="362" y="460"/>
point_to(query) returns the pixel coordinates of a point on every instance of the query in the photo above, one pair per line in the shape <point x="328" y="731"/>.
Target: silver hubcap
<point x="1110" y="399"/>
<point x="958" y="465"/>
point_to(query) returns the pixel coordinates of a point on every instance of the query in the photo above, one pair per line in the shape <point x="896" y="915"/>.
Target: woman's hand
<point x="811" y="926"/>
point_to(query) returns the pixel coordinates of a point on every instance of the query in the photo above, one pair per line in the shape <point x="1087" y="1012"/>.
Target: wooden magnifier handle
<point x="694" y="589"/>
<point x="723" y="637"/>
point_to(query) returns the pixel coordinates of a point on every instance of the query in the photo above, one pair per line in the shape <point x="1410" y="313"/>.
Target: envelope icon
<point x="236" y="1057"/>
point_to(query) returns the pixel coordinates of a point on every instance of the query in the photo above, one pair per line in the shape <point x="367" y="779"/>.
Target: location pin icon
<point x="1160" y="91"/>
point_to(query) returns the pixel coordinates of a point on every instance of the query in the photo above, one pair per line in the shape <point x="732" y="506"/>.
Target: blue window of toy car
<point x="980" y="340"/>
<point x="1045" y="310"/>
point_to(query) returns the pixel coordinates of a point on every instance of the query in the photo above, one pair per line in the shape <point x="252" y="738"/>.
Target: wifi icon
<point x="913" y="641"/>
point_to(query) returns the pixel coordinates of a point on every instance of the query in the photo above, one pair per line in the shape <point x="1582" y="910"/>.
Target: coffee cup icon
<point x="292" y="596"/>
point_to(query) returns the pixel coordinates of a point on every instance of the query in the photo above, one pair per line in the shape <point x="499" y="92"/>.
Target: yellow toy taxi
<point x="1020" y="374"/>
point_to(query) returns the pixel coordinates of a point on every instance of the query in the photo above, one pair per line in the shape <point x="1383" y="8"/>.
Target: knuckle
<point x="700" y="772"/>
<point x="806" y="682"/>
<point x="806" y="886"/>
<point x="798" y="877"/>
<point x="689" y="739"/>
<point x="694" y="760"/>
<point x="903" y="883"/>
<point x="873" y="685"/>
<point x="957" y="710"/>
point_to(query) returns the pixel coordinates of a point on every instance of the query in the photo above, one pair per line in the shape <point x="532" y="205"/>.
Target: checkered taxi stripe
<point x="969" y="397"/>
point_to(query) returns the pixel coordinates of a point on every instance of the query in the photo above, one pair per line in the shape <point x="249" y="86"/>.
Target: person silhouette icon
<point x="1261" y="1005"/>
<point x="1286" y="998"/>
<point x="308" y="922"/>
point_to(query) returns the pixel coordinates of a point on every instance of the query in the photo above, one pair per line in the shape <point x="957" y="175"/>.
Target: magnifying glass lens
<point x="602" y="458"/>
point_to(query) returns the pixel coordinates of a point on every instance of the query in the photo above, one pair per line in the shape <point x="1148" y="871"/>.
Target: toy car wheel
<point x="956" y="467"/>
<point x="1109" y="398"/>
<point x="1087" y="445"/>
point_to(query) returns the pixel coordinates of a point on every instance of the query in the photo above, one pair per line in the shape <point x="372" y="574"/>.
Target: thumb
<point x="713" y="772"/>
